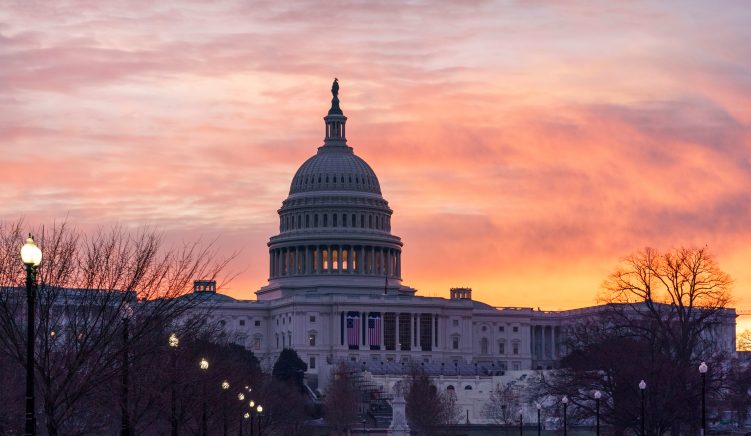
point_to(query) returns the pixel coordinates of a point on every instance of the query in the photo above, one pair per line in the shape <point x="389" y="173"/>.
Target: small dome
<point x="335" y="169"/>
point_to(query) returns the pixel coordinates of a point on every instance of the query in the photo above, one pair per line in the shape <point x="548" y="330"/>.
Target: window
<point x="257" y="323"/>
<point x="312" y="363"/>
<point x="484" y="328"/>
<point x="455" y="322"/>
<point x="334" y="219"/>
<point x="325" y="220"/>
<point x="277" y="341"/>
<point x="222" y="322"/>
<point x="315" y="220"/>
<point x="501" y="348"/>
<point x="283" y="320"/>
<point x="312" y="318"/>
<point x="307" y="221"/>
<point x="515" y="348"/>
<point x="484" y="346"/>
<point x="283" y="346"/>
<point x="312" y="340"/>
<point x="516" y="329"/>
<point x="257" y="343"/>
<point x="242" y="322"/>
<point x="455" y="342"/>
<point x="468" y="388"/>
<point x="500" y="328"/>
<point x="344" y="220"/>
<point x="517" y="366"/>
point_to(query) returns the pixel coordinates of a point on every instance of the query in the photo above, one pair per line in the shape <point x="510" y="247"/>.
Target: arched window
<point x="334" y="219"/>
<point x="370" y="221"/>
<point x="312" y="339"/>
<point x="299" y="221"/>
<point x="307" y="221"/>
<point x="468" y="388"/>
<point x="315" y="220"/>
<point x="344" y="220"/>
<point x="362" y="221"/>
<point x="484" y="346"/>
<point x="354" y="220"/>
<point x="325" y="220"/>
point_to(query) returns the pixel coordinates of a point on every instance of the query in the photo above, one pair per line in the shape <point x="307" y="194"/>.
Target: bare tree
<point x="504" y="404"/>
<point x="427" y="409"/>
<point x="743" y="341"/>
<point x="86" y="281"/>
<point x="342" y="402"/>
<point x="663" y="314"/>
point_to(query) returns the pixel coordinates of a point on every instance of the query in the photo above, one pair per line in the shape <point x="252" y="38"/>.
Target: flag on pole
<point x="374" y="329"/>
<point x="353" y="329"/>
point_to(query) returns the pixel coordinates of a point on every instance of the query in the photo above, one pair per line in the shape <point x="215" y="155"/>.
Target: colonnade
<point x="335" y="259"/>
<point x="545" y="342"/>
<point x="397" y="332"/>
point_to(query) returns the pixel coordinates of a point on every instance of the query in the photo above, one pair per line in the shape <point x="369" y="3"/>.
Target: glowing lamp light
<point x="247" y="415"/>
<point x="598" y="395"/>
<point x="564" y="400"/>
<point x="173" y="341"/>
<point x="703" y="368"/>
<point x="225" y="385"/>
<point x="241" y="396"/>
<point x="252" y="404"/>
<point x="259" y="409"/>
<point x="204" y="365"/>
<point x="642" y="385"/>
<point x="31" y="255"/>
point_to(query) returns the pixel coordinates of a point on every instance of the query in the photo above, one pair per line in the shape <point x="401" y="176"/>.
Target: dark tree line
<point x="662" y="319"/>
<point x="87" y="282"/>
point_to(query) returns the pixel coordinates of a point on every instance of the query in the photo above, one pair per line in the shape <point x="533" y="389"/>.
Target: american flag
<point x="353" y="329"/>
<point x="374" y="329"/>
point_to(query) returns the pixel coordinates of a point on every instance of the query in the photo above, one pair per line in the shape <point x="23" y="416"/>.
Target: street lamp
<point x="251" y="404"/>
<point x="597" y="396"/>
<point x="31" y="256"/>
<point x="225" y="386"/>
<point x="241" y="396"/>
<point x="539" y="423"/>
<point x="204" y="365"/>
<point x="642" y="388"/>
<point x="703" y="371"/>
<point x="259" y="410"/>
<point x="173" y="342"/>
<point x="564" y="400"/>
<point x="127" y="314"/>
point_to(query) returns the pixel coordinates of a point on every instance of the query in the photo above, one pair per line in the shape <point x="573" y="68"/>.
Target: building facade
<point x="335" y="290"/>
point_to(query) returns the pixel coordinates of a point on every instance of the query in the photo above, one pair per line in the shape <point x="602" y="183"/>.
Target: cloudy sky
<point x="525" y="146"/>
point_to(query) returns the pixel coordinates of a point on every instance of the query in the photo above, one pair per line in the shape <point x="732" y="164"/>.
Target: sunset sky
<point x="525" y="147"/>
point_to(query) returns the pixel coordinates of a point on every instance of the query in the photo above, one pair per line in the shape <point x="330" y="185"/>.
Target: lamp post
<point x="564" y="400"/>
<point x="539" y="422"/>
<point x="703" y="371"/>
<point x="252" y="403"/>
<point x="173" y="342"/>
<point x="597" y="396"/>
<point x="259" y="410"/>
<point x="241" y="397"/>
<point x="127" y="314"/>
<point x="204" y="365"/>
<point x="245" y="416"/>
<point x="642" y="388"/>
<point x="225" y="386"/>
<point x="31" y="256"/>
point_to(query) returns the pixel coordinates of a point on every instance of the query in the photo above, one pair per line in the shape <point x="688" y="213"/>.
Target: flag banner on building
<point x="374" y="330"/>
<point x="353" y="329"/>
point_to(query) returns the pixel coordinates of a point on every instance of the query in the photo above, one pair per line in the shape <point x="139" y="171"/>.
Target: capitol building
<point x="336" y="292"/>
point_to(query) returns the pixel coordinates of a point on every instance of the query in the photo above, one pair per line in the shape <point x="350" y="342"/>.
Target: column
<point x="364" y="316"/>
<point x="418" y="328"/>
<point x="383" y="324"/>
<point x="339" y="259"/>
<point x="397" y="344"/>
<point x="361" y="264"/>
<point x="319" y="260"/>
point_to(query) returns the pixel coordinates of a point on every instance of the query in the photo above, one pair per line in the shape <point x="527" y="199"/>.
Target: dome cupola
<point x="335" y="226"/>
